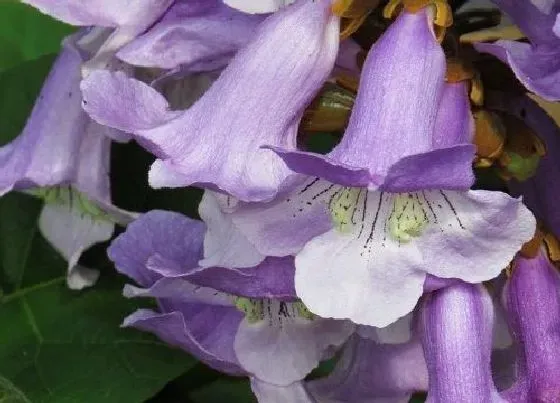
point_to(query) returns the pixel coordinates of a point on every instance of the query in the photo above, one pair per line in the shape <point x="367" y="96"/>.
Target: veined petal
<point x="283" y="226"/>
<point x="532" y="299"/>
<point x="193" y="37"/>
<point x="433" y="120"/>
<point x="258" y="6"/>
<point x="250" y="105"/>
<point x="454" y="122"/>
<point x="457" y="341"/>
<point x="193" y="335"/>
<point x="374" y="263"/>
<point x="224" y="244"/>
<point x="71" y="232"/>
<point x="273" y="278"/>
<point x="477" y="233"/>
<point x="270" y="393"/>
<point x="368" y="372"/>
<point x="537" y="68"/>
<point x="294" y="343"/>
<point x="171" y="235"/>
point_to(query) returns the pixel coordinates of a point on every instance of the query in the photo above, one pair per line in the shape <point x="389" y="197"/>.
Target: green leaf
<point x="26" y="34"/>
<point x="19" y="88"/>
<point x="64" y="346"/>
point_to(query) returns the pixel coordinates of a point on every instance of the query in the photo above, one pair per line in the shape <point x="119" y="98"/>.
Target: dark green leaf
<point x="26" y="34"/>
<point x="64" y="346"/>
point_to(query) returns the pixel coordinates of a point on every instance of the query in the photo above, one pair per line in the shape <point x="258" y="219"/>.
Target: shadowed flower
<point x="232" y="324"/>
<point x="536" y="64"/>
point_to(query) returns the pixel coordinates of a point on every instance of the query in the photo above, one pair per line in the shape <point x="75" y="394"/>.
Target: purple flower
<point x="536" y="64"/>
<point x="257" y="100"/>
<point x="457" y="340"/>
<point x="232" y="324"/>
<point x="370" y="371"/>
<point x="532" y="300"/>
<point x="541" y="191"/>
<point x="195" y="35"/>
<point x="63" y="156"/>
<point x="129" y="19"/>
<point x="258" y="6"/>
<point x="395" y="190"/>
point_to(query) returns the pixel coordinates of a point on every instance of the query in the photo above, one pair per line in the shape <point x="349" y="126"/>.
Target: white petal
<point x="70" y="232"/>
<point x="258" y="6"/>
<point x="224" y="245"/>
<point x="269" y="393"/>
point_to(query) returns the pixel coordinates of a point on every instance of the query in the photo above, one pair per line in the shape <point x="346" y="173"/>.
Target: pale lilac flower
<point x="129" y="18"/>
<point x="63" y="156"/>
<point x="257" y="100"/>
<point x="532" y="300"/>
<point x="404" y="209"/>
<point x="234" y="325"/>
<point x="536" y="64"/>
<point x="258" y="6"/>
<point x="193" y="36"/>
<point x="457" y="339"/>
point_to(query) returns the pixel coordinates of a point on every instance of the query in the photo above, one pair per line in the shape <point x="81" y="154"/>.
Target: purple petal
<point x="176" y="292"/>
<point x="194" y="37"/>
<point x="534" y="18"/>
<point x="407" y="61"/>
<point x="533" y="303"/>
<point x="107" y="13"/>
<point x="454" y="123"/>
<point x="373" y="277"/>
<point x="348" y="56"/>
<point x="445" y="168"/>
<point x="294" y="344"/>
<point x="258" y="6"/>
<point x="537" y="68"/>
<point x="293" y="393"/>
<point x="457" y="340"/>
<point x="245" y="110"/>
<point x="115" y="100"/>
<point x="46" y="152"/>
<point x="283" y="226"/>
<point x="224" y="244"/>
<point x="171" y="235"/>
<point x="273" y="278"/>
<point x="542" y="191"/>
<point x="368" y="371"/>
<point x="196" y="334"/>
<point x="433" y="137"/>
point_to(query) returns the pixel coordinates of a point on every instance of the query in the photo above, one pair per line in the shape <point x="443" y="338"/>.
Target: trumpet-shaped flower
<point x="241" y="333"/>
<point x="397" y="191"/>
<point x="63" y="156"/>
<point x="532" y="300"/>
<point x="257" y="100"/>
<point x="457" y="339"/>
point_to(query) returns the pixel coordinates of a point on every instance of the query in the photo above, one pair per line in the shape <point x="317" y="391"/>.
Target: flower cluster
<point x="389" y="254"/>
